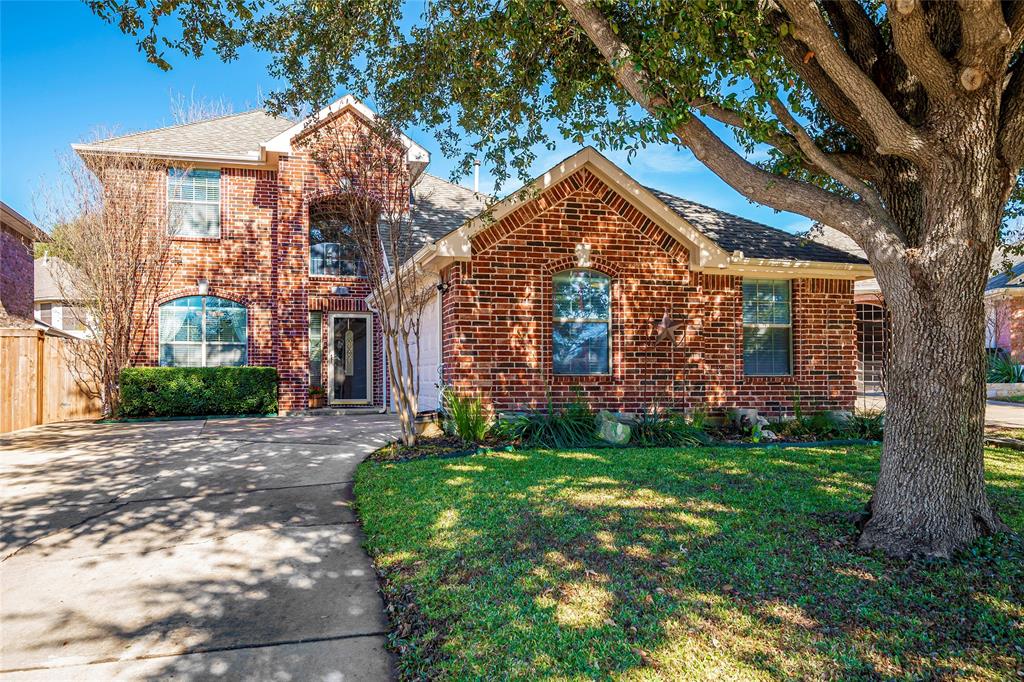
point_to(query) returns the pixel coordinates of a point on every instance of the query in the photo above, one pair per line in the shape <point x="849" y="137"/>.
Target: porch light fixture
<point x="583" y="255"/>
<point x="203" y="286"/>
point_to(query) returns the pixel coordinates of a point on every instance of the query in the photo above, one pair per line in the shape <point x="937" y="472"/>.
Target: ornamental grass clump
<point x="466" y="417"/>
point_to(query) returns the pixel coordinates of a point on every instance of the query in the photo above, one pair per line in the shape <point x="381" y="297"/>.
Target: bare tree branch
<point x="916" y="49"/>
<point x="895" y="136"/>
<point x="754" y="183"/>
<point x="115" y="261"/>
<point x="854" y="164"/>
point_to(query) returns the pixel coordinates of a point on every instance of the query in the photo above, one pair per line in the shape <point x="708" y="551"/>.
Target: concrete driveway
<point x="221" y="549"/>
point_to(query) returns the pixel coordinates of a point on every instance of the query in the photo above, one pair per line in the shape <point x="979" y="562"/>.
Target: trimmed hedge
<point x="197" y="391"/>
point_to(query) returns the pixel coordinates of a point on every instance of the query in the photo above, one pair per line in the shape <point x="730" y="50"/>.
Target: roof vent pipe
<point x="476" y="176"/>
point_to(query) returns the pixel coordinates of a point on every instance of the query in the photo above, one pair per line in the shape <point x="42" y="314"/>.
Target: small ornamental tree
<point x="901" y="124"/>
<point x="368" y="206"/>
<point x="113" y="262"/>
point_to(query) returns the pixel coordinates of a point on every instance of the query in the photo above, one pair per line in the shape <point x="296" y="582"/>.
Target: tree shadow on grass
<point x="697" y="563"/>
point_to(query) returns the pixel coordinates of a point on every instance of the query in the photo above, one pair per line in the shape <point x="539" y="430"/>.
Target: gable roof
<point x="733" y="233"/>
<point x="231" y="137"/>
<point x="437" y="208"/>
<point x="717" y="241"/>
<point x="48" y="270"/>
<point x="282" y="142"/>
<point x="1004" y="279"/>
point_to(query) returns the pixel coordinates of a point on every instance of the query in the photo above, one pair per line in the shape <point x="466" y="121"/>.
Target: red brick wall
<point x="17" y="279"/>
<point x="261" y="260"/>
<point x="498" y="309"/>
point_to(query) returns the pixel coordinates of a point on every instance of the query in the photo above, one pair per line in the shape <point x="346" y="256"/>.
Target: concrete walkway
<point x="998" y="414"/>
<point x="224" y="549"/>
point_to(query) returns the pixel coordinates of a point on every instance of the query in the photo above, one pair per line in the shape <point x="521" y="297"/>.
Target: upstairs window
<point x="581" y="329"/>
<point x="203" y="331"/>
<point x="193" y="203"/>
<point x="332" y="249"/>
<point x="767" y="327"/>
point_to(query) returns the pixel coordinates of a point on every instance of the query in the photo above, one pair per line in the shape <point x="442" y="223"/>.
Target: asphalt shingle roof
<point x="755" y="240"/>
<point x="1002" y="278"/>
<point x="438" y="207"/>
<point x="232" y="135"/>
<point x="47" y="271"/>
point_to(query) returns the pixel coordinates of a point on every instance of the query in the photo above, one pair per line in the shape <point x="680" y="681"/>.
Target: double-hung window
<point x="193" y="203"/>
<point x="581" y="329"/>
<point x="203" y="331"/>
<point x="767" y="327"/>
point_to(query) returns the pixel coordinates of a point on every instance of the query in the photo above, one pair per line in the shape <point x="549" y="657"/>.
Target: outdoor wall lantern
<point x="203" y="286"/>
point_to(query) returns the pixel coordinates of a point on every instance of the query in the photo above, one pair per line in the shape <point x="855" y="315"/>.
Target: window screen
<point x="582" y="323"/>
<point x="193" y="203"/>
<point x="767" y="327"/>
<point x="203" y="331"/>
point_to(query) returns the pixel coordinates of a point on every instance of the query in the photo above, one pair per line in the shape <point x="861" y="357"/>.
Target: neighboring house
<point x="56" y="305"/>
<point x="17" y="236"/>
<point x="553" y="293"/>
<point x="1004" y="308"/>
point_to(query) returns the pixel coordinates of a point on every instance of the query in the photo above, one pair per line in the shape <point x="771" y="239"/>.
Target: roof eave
<point x="252" y="158"/>
<point x="416" y="156"/>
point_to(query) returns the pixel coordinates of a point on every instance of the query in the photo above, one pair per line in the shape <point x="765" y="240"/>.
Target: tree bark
<point x="930" y="497"/>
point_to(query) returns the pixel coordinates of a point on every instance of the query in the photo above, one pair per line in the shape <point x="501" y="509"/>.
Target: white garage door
<point x="429" y="343"/>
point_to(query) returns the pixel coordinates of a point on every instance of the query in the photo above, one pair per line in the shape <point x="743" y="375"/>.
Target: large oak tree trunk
<point x="930" y="497"/>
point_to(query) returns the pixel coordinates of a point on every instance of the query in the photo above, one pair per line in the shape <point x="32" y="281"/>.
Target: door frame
<point x="331" y="358"/>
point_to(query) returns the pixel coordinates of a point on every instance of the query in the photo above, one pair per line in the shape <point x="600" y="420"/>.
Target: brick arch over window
<point x="229" y="293"/>
<point x="598" y="264"/>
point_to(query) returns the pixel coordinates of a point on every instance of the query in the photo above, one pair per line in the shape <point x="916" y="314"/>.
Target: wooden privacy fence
<point x="37" y="385"/>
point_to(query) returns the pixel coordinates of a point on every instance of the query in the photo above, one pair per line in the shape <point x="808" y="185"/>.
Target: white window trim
<point x="202" y="343"/>
<point x="789" y="326"/>
<point x="170" y="202"/>
<point x="563" y="320"/>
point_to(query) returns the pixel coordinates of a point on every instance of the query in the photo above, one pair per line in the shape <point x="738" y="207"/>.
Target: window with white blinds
<point x="193" y="203"/>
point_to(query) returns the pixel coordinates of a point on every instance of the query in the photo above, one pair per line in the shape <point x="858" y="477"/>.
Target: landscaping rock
<point x="610" y="430"/>
<point x="744" y="418"/>
<point x="769" y="435"/>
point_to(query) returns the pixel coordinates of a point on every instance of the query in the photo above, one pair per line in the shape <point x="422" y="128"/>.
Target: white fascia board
<point x="705" y="254"/>
<point x="253" y="158"/>
<point x="282" y="143"/>
<point x="795" y="269"/>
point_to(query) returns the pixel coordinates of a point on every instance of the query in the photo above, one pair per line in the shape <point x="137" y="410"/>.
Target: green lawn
<point x="679" y="564"/>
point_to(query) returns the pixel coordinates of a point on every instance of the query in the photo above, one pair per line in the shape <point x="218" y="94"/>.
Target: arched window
<point x="581" y="329"/>
<point x="203" y="331"/>
<point x="332" y="249"/>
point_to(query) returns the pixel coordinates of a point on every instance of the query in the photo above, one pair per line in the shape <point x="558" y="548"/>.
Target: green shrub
<point x="667" y="429"/>
<point x="465" y="416"/>
<point x="869" y="426"/>
<point x="699" y="418"/>
<point x="552" y="427"/>
<point x="197" y="391"/>
<point x="1002" y="369"/>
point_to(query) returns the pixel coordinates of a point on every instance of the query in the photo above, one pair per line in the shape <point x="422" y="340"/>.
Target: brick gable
<point x="498" y="315"/>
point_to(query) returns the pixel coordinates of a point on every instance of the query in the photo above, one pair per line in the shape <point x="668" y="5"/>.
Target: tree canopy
<point x="834" y="91"/>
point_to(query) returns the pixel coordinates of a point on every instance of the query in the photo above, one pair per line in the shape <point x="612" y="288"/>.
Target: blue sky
<point x="64" y="74"/>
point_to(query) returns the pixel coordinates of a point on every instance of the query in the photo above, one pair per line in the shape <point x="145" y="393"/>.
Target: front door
<point x="351" y="359"/>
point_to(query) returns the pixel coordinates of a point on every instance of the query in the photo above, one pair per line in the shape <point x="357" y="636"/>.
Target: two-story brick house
<point x="558" y="290"/>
